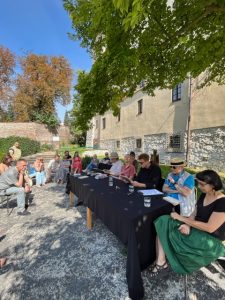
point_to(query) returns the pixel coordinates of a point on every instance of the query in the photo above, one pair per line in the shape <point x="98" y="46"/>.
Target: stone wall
<point x="36" y="131"/>
<point x="207" y="149"/>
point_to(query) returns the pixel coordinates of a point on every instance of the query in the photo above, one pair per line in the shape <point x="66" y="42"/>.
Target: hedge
<point x="27" y="145"/>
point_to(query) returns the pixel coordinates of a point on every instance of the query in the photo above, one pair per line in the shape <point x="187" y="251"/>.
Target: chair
<point x="5" y="198"/>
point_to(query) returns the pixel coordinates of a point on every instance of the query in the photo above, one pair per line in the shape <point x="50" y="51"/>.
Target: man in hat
<point x="15" y="152"/>
<point x="180" y="185"/>
<point x="117" y="164"/>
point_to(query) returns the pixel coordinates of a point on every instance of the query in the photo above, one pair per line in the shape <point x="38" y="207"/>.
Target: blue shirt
<point x="189" y="183"/>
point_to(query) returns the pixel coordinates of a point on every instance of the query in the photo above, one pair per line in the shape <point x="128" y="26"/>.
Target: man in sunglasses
<point x="180" y="185"/>
<point x="11" y="183"/>
<point x="149" y="176"/>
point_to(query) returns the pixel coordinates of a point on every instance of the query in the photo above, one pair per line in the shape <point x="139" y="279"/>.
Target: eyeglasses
<point x="174" y="167"/>
<point x="141" y="162"/>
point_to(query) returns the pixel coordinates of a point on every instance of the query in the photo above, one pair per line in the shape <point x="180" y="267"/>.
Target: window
<point x="138" y="143"/>
<point x="118" y="144"/>
<point x="118" y="117"/>
<point x="176" y="93"/>
<point x="103" y="123"/>
<point x="96" y="124"/>
<point x="175" y="142"/>
<point x="140" y="106"/>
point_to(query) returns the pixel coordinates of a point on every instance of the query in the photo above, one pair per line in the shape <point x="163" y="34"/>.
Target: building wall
<point x="36" y="131"/>
<point x="162" y="118"/>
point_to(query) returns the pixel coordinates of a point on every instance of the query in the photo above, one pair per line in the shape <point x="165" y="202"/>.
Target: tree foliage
<point x="7" y="64"/>
<point x="155" y="41"/>
<point x="43" y="82"/>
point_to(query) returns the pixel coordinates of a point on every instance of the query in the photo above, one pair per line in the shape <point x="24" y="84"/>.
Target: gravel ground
<point x="52" y="255"/>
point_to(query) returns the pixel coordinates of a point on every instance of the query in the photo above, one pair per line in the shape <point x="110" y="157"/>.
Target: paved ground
<point x="52" y="255"/>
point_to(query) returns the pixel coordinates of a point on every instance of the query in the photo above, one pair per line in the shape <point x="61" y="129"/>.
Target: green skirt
<point x="187" y="253"/>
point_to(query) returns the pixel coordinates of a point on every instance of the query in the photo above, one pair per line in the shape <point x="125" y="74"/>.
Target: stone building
<point x="161" y="122"/>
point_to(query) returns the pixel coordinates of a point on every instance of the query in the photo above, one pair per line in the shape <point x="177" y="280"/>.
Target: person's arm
<point x="19" y="183"/>
<point x="215" y="221"/>
<point x="168" y="190"/>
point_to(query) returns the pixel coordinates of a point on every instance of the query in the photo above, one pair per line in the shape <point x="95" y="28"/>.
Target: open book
<point x="172" y="200"/>
<point x="126" y="179"/>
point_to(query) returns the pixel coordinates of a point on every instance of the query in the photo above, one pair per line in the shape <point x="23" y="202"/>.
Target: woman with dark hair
<point x="190" y="243"/>
<point x="5" y="164"/>
<point x="76" y="163"/>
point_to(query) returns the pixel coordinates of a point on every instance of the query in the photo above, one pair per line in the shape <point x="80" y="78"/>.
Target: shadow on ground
<point x="52" y="255"/>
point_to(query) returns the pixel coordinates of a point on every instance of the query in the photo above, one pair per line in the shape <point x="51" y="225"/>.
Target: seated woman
<point x="93" y="164"/>
<point x="5" y="164"/>
<point x="40" y="171"/>
<point x="76" y="163"/>
<point x="128" y="169"/>
<point x="105" y="162"/>
<point x="193" y="242"/>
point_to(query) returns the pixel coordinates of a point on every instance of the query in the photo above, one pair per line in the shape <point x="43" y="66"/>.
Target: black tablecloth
<point x="125" y="215"/>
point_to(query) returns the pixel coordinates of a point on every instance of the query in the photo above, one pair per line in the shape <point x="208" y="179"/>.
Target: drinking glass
<point x="147" y="201"/>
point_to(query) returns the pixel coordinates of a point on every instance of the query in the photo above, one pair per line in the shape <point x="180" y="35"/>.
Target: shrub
<point x="45" y="147"/>
<point x="27" y="145"/>
<point x="85" y="161"/>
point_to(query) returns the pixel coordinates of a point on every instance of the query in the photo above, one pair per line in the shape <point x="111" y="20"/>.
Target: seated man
<point x="149" y="176"/>
<point x="11" y="182"/>
<point x="105" y="162"/>
<point x="180" y="185"/>
<point x="117" y="164"/>
<point x="55" y="169"/>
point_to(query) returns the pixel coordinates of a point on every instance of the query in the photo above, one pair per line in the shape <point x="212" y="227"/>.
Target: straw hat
<point x="114" y="155"/>
<point x="177" y="161"/>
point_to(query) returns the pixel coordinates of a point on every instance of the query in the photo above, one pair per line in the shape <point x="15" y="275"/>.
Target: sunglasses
<point x="174" y="167"/>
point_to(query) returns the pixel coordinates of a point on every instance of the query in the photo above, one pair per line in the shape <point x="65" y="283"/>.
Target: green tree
<point x="145" y="40"/>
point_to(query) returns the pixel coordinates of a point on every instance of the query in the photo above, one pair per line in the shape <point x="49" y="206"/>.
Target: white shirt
<point x="116" y="168"/>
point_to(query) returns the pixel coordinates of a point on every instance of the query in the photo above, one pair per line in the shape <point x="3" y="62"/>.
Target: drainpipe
<point x="189" y="119"/>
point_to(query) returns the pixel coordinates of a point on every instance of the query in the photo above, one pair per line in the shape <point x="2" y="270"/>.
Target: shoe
<point x="159" y="270"/>
<point x="23" y="213"/>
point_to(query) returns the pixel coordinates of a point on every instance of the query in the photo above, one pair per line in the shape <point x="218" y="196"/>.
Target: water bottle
<point x="110" y="181"/>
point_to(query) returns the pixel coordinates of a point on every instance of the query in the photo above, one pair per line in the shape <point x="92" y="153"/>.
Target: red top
<point x="128" y="170"/>
<point x="77" y="164"/>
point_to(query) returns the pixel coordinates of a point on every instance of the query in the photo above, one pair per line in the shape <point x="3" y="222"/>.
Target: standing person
<point x="15" y="152"/>
<point x="128" y="169"/>
<point x="180" y="185"/>
<point x="11" y="182"/>
<point x="76" y="163"/>
<point x="149" y="176"/>
<point x="190" y="243"/>
<point x="67" y="161"/>
<point x="5" y="164"/>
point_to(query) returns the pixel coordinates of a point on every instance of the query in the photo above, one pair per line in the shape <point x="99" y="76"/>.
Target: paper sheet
<point x="150" y="192"/>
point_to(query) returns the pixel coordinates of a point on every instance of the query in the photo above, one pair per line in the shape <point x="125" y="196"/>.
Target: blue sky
<point x="41" y="27"/>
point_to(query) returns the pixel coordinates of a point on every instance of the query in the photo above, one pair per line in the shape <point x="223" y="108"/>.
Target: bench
<point x="5" y="198"/>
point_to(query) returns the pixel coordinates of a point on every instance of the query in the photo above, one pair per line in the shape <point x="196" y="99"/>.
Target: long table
<point x="125" y="215"/>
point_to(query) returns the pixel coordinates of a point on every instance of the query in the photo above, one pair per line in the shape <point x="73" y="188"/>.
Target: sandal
<point x="159" y="270"/>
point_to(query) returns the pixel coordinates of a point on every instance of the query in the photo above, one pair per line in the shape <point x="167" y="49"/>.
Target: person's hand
<point x="135" y="183"/>
<point x="27" y="188"/>
<point x="106" y="171"/>
<point x="171" y="180"/>
<point x="184" y="229"/>
<point x="175" y="216"/>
